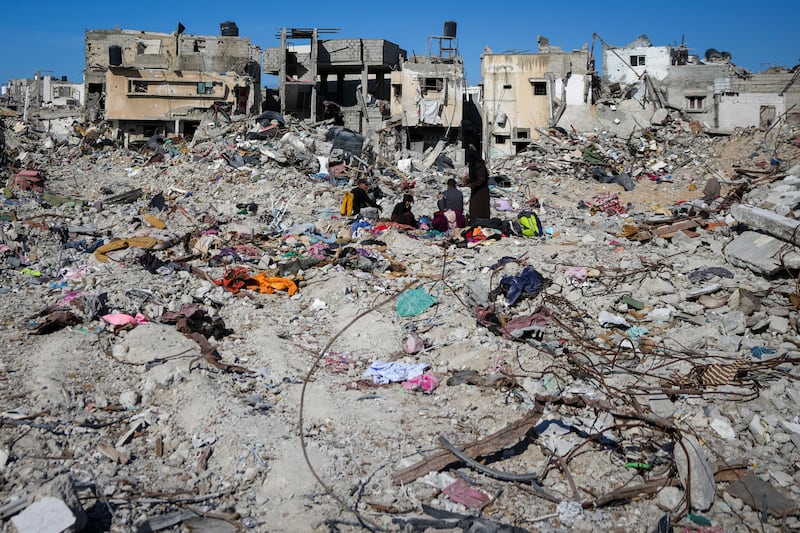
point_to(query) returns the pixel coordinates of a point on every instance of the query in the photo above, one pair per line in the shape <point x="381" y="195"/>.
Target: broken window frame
<point x="205" y="88"/>
<point x="431" y="84"/>
<point x="137" y="87"/>
<point x="519" y="134"/>
<point x="62" y="91"/>
<point x="637" y="60"/>
<point x="539" y="87"/>
<point x="695" y="103"/>
<point x="501" y="138"/>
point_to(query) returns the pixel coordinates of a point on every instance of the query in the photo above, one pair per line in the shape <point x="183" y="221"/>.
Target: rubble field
<point x="196" y="339"/>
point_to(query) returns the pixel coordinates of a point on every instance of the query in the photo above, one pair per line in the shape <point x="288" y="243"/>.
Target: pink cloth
<point x="120" y="319"/>
<point x="425" y="383"/>
<point x="461" y="492"/>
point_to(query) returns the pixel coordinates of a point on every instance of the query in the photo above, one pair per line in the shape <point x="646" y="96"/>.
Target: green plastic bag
<point x="413" y="302"/>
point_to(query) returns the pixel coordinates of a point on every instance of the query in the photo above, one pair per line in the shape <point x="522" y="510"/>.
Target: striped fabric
<point x="717" y="373"/>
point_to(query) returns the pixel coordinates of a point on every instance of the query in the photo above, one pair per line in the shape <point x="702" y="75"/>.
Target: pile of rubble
<point x="195" y="337"/>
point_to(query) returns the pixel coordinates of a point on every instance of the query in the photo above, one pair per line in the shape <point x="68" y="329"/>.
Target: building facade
<point x="146" y="83"/>
<point x="526" y="92"/>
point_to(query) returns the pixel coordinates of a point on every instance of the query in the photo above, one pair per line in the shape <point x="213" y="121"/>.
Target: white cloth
<point x="382" y="372"/>
<point x="428" y="109"/>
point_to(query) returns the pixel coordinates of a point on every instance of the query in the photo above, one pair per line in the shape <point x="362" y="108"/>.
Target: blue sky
<point x="48" y="36"/>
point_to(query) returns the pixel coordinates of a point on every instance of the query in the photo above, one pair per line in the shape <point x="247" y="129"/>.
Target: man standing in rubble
<point x="478" y="181"/>
<point x="363" y="203"/>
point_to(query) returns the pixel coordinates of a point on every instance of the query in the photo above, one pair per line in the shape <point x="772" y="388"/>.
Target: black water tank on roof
<point x="115" y="55"/>
<point x="450" y="28"/>
<point x="228" y="29"/>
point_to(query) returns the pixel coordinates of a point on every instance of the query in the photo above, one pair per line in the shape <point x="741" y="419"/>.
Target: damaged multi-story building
<point x="146" y="83"/>
<point x="48" y="102"/>
<point x="427" y="100"/>
<point x="346" y="80"/>
<point x="525" y="92"/>
<point x="711" y="90"/>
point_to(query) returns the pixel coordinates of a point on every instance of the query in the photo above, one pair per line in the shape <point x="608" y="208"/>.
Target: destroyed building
<point x="713" y="91"/>
<point x="201" y="337"/>
<point x="343" y="79"/>
<point x="147" y="83"/>
<point x="524" y="92"/>
<point x="428" y="92"/>
<point x="47" y="102"/>
<point x="628" y="64"/>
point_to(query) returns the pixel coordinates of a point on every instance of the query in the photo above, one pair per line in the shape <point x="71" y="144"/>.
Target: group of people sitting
<point x="450" y="213"/>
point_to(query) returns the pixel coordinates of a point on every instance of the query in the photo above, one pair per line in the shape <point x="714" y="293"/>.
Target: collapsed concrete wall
<point x="627" y="64"/>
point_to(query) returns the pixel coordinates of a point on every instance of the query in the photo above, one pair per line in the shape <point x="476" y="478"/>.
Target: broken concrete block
<point x="766" y="221"/>
<point x="670" y="497"/>
<point x="733" y="323"/>
<point x="744" y="301"/>
<point x="758" y="428"/>
<point x="129" y="399"/>
<point x="723" y="428"/>
<point x="62" y="489"/>
<point x="693" y="468"/>
<point x="760" y="253"/>
<point x="48" y="515"/>
<point x="660" y="117"/>
<point x="779" y="324"/>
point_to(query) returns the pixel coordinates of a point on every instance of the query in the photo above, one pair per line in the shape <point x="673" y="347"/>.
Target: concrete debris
<point x="190" y="329"/>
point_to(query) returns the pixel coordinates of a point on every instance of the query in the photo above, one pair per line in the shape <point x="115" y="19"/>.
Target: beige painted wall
<point x="164" y="95"/>
<point x="512" y="109"/>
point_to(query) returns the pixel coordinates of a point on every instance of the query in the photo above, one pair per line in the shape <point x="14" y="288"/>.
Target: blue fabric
<point x="759" y="351"/>
<point x="528" y="282"/>
<point x="413" y="302"/>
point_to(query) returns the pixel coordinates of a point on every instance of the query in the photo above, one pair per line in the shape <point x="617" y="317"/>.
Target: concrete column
<point x="379" y="80"/>
<point x="282" y="73"/>
<point x="314" y="55"/>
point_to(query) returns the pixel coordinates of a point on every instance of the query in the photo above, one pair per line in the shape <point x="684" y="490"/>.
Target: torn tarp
<point x="345" y="139"/>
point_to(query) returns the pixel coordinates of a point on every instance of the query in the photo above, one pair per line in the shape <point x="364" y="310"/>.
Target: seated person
<point x="451" y="198"/>
<point x="362" y="200"/>
<point x="402" y="212"/>
<point x="451" y="209"/>
<point x="446" y="220"/>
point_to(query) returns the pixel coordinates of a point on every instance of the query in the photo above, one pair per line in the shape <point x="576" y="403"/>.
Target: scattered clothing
<point x="383" y="373"/>
<point x="706" y="274"/>
<point x="426" y="383"/>
<point x="528" y="282"/>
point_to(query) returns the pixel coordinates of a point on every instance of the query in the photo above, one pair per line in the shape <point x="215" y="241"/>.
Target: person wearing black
<point x="362" y="199"/>
<point x="402" y="212"/>
<point x="478" y="181"/>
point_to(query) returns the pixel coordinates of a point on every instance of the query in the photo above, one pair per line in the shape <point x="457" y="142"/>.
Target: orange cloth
<point x="269" y="285"/>
<point x="237" y="278"/>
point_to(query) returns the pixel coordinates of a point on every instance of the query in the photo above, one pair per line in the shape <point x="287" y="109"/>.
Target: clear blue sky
<point x="47" y="35"/>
